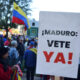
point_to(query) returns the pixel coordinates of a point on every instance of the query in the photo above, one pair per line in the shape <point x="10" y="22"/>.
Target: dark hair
<point x="3" y="51"/>
<point x="4" y="62"/>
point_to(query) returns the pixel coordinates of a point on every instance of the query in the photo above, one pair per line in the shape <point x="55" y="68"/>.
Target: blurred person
<point x="36" y="44"/>
<point x="5" y="70"/>
<point x="26" y="44"/>
<point x="30" y="61"/>
<point x="21" y="48"/>
<point x="13" y="53"/>
<point x="24" y="40"/>
<point x="45" y="77"/>
<point x="1" y="42"/>
<point x="4" y="38"/>
<point x="17" y="38"/>
<point x="8" y="42"/>
<point x="29" y="44"/>
<point x="33" y="39"/>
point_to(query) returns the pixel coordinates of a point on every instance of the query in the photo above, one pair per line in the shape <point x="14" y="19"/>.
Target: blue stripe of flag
<point x="18" y="15"/>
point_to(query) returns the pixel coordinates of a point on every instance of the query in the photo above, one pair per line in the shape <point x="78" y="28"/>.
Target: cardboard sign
<point x="58" y="44"/>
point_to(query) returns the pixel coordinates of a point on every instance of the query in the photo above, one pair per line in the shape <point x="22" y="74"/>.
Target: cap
<point x="32" y="43"/>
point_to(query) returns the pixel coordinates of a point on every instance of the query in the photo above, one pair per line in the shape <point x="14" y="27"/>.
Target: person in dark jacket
<point x="1" y="42"/>
<point x="21" y="49"/>
<point x="13" y="53"/>
<point x="5" y="70"/>
<point x="30" y="61"/>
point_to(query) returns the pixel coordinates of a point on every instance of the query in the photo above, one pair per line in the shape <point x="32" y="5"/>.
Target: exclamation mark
<point x="70" y="58"/>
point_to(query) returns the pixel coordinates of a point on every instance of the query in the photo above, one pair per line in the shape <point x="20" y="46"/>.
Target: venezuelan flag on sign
<point x="19" y="16"/>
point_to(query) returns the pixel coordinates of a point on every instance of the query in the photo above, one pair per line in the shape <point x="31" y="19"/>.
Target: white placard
<point x="58" y="44"/>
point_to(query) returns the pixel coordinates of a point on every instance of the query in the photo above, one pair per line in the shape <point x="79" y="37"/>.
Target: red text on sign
<point x="59" y="58"/>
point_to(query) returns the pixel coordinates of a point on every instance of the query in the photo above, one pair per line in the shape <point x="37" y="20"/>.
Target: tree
<point x="6" y="8"/>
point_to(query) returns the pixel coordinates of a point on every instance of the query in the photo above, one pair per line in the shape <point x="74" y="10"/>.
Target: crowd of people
<point x="15" y="51"/>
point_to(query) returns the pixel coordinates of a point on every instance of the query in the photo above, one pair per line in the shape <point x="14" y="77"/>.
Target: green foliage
<point x="6" y="8"/>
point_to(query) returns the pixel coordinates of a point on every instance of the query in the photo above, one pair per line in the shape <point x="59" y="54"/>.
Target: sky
<point x="54" y="5"/>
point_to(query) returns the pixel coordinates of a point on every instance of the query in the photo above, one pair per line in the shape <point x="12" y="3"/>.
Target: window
<point x="33" y="24"/>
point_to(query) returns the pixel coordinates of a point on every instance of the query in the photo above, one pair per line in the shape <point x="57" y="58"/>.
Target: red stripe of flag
<point x="17" y="20"/>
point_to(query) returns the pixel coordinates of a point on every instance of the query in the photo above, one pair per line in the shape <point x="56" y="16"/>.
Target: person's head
<point x="14" y="43"/>
<point x="4" y="52"/>
<point x="32" y="44"/>
<point x="21" y="40"/>
<point x="4" y="59"/>
<point x="32" y="39"/>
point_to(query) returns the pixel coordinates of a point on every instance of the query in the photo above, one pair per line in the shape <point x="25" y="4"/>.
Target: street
<point x="36" y="77"/>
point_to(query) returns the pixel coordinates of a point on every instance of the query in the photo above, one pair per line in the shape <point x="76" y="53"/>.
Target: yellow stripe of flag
<point x="19" y="78"/>
<point x="20" y="11"/>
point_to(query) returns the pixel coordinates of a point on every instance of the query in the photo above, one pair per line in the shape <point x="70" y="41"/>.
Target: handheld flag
<point x="19" y="16"/>
<point x="17" y="73"/>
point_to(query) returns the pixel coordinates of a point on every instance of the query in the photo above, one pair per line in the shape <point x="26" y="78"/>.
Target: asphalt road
<point x="35" y="78"/>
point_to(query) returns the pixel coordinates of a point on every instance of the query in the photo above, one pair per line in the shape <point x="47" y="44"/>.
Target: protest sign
<point x="58" y="44"/>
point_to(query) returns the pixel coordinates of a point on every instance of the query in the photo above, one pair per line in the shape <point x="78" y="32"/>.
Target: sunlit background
<point x="54" y="5"/>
